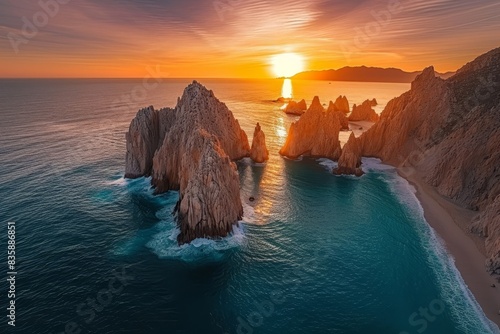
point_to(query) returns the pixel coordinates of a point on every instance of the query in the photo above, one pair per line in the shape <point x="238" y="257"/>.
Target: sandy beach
<point x="450" y="222"/>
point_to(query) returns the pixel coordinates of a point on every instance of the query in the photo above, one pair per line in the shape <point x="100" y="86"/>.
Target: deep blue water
<point x="316" y="253"/>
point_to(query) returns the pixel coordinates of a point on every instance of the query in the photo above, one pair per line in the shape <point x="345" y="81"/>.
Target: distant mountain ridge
<point x="364" y="74"/>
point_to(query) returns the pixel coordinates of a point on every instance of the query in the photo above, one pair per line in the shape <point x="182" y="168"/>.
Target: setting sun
<point x="287" y="64"/>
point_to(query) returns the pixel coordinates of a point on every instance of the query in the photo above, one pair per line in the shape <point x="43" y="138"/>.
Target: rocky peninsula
<point x="448" y="133"/>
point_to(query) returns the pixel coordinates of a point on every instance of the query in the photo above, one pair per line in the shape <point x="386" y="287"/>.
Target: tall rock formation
<point x="193" y="146"/>
<point x="350" y="160"/>
<point x="344" y="122"/>
<point x="364" y="112"/>
<point x="145" y="135"/>
<point x="449" y="132"/>
<point x="316" y="134"/>
<point x="259" y="152"/>
<point x="142" y="142"/>
<point x="302" y="105"/>
<point x="342" y="104"/>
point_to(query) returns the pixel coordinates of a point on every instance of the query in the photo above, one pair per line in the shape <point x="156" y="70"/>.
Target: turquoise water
<point x="315" y="253"/>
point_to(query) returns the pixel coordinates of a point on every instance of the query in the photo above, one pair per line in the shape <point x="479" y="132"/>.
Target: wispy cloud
<point x="190" y="38"/>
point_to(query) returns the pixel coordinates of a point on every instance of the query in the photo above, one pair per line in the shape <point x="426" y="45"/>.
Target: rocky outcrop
<point x="259" y="152"/>
<point x="144" y="136"/>
<point x="302" y="105"/>
<point x="344" y="122"/>
<point x="350" y="160"/>
<point x="316" y="134"/>
<point x="193" y="146"/>
<point x="342" y="104"/>
<point x="209" y="202"/>
<point x="449" y="132"/>
<point x="364" y="112"/>
<point x="142" y="142"/>
<point x="294" y="108"/>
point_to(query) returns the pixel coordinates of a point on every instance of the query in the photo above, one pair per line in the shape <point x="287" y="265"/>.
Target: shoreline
<point x="450" y="222"/>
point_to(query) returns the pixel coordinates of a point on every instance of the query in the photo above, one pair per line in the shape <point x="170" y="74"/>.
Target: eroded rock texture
<point x="344" y="122"/>
<point x="364" y="112"/>
<point x="259" y="152"/>
<point x="294" y="108"/>
<point x="316" y="134"/>
<point x="350" y="160"/>
<point x="449" y="131"/>
<point x="342" y="104"/>
<point x="191" y="149"/>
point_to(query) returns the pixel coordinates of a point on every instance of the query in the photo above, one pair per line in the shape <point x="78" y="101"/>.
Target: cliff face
<point x="487" y="225"/>
<point x="192" y="146"/>
<point x="209" y="202"/>
<point x="142" y="141"/>
<point x="259" y="152"/>
<point x="449" y="131"/>
<point x="316" y="133"/>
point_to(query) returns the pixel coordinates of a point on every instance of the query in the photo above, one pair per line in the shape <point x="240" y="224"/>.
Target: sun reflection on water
<point x="287" y="89"/>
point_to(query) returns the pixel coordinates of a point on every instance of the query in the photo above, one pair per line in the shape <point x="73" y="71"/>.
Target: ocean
<point x="315" y="253"/>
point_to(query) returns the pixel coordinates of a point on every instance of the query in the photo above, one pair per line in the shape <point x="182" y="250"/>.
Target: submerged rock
<point x="194" y="145"/>
<point x="316" y="134"/>
<point x="259" y="152"/>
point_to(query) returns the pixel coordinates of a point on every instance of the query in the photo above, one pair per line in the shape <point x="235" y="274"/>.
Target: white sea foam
<point x="327" y="163"/>
<point x="466" y="312"/>
<point x="248" y="212"/>
<point x="164" y="244"/>
<point x="246" y="161"/>
<point x="375" y="164"/>
<point x="118" y="182"/>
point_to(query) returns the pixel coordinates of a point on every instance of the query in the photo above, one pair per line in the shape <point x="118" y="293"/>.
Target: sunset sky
<point x="238" y="38"/>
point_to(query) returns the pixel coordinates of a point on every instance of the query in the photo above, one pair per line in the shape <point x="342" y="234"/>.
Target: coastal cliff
<point x="448" y="131"/>
<point x="191" y="148"/>
<point x="316" y="134"/>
